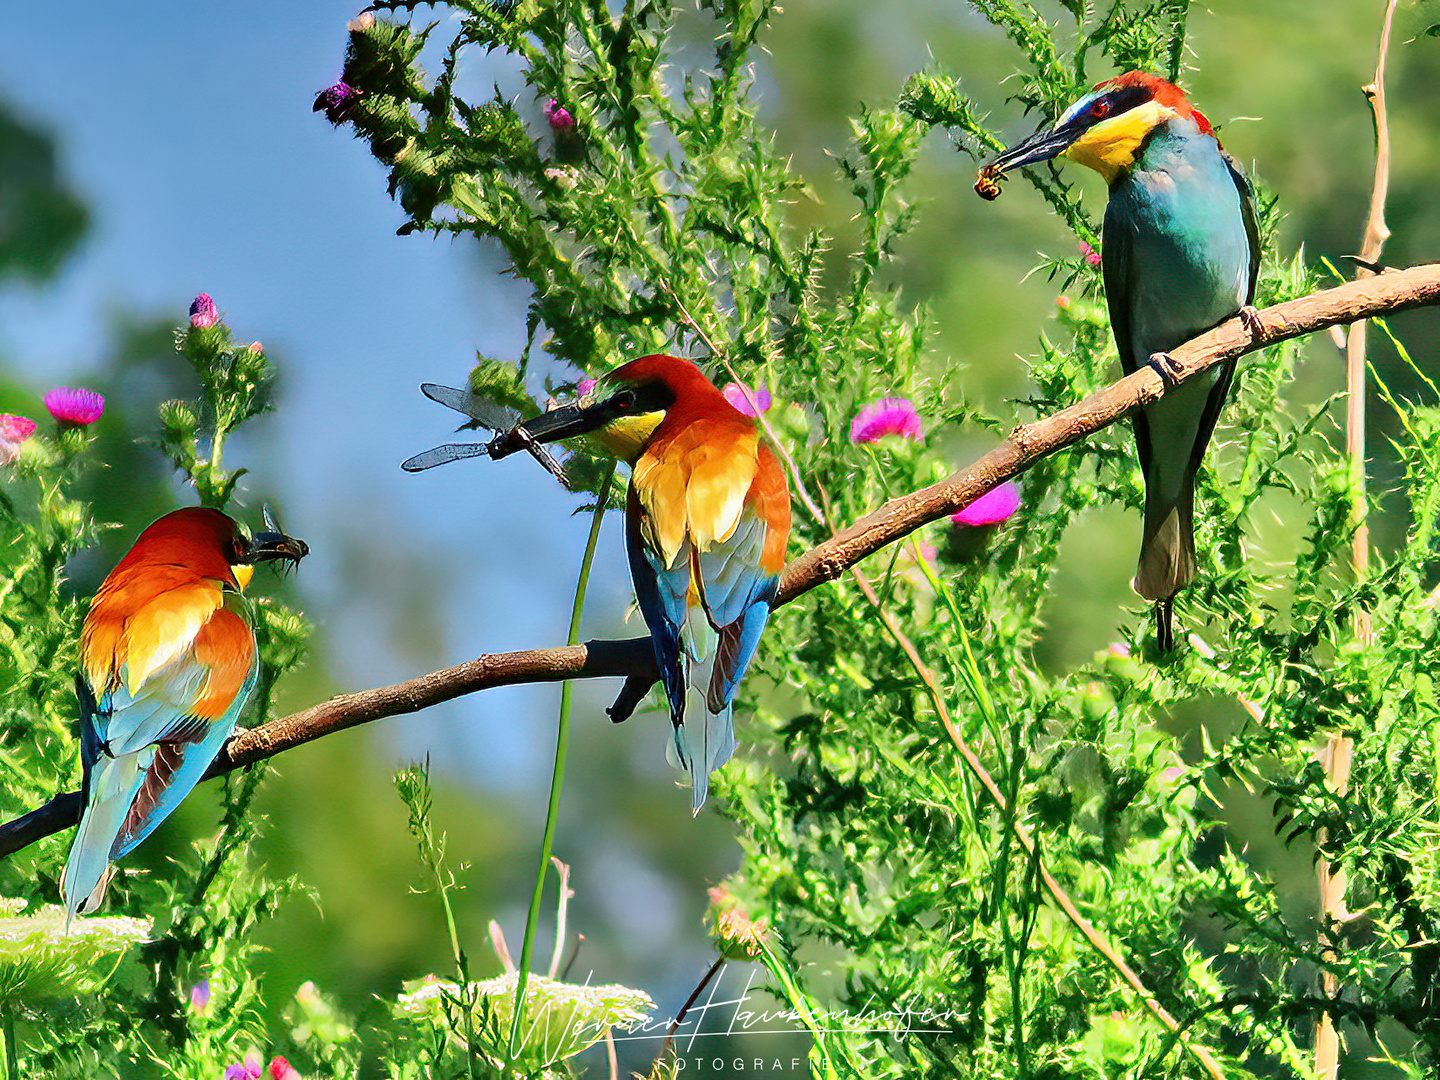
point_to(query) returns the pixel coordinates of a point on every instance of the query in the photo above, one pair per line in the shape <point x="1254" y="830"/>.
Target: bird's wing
<point x="1215" y="402"/>
<point x="140" y="662"/>
<point x="739" y="581"/>
<point x="144" y="747"/>
<point x="1117" y="264"/>
<point x="225" y="650"/>
<point x="1247" y="214"/>
<point x="662" y="591"/>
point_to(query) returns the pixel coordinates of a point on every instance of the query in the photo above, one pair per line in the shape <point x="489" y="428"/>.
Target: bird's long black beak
<point x="271" y="546"/>
<point x="1045" y="144"/>
<point x="565" y="422"/>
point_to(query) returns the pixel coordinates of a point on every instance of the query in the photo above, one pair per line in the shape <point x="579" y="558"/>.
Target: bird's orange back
<point x="703" y="469"/>
<point x="159" y="596"/>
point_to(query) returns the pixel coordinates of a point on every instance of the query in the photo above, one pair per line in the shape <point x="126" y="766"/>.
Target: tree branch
<point x="1395" y="290"/>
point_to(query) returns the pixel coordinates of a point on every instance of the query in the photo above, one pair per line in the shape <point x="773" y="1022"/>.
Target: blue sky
<point x="188" y="129"/>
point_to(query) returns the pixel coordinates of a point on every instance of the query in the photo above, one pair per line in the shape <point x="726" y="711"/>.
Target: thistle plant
<point x="650" y="211"/>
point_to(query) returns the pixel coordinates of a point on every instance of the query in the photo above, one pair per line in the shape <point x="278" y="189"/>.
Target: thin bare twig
<point x="1419" y="286"/>
<point x="1338" y="754"/>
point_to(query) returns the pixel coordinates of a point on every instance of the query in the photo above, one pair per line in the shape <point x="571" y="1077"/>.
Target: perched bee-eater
<point x="1180" y="255"/>
<point x="707" y="519"/>
<point x="167" y="660"/>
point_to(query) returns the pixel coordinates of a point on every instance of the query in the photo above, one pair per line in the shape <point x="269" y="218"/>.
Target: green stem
<point x="12" y="1063"/>
<point x="467" y="990"/>
<point x="557" y="779"/>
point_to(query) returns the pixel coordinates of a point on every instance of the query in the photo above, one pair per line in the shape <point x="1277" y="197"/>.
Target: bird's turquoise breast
<point x="1184" y="233"/>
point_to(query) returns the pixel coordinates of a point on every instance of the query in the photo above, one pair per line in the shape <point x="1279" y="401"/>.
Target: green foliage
<point x="670" y="228"/>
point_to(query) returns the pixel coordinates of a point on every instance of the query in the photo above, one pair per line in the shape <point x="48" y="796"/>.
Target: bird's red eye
<point x="1100" y="108"/>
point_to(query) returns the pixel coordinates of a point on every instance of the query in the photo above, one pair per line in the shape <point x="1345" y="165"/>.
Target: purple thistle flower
<point x="336" y="102"/>
<point x="585" y="387"/>
<point x="559" y="118"/>
<point x="888" y="416"/>
<point x="735" y="395"/>
<point x="74" y="406"/>
<point x="1091" y="255"/>
<point x="203" y="312"/>
<point x="994" y="506"/>
<point x="200" y="998"/>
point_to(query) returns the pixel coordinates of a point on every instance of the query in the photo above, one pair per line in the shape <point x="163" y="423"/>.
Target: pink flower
<point x="1091" y="255"/>
<point x="255" y="348"/>
<point x="74" y="406"/>
<point x="585" y="387"/>
<point x="735" y="395"/>
<point x="249" y="1069"/>
<point x="203" y="312"/>
<point x="994" y="506"/>
<point x="14" y="430"/>
<point x="1119" y="648"/>
<point x="280" y="1069"/>
<point x="888" y="416"/>
<point x="560" y="120"/>
<point x="200" y="998"/>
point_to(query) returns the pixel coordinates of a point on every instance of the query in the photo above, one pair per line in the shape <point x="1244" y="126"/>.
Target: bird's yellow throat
<point x="625" y="438"/>
<point x="1110" y="145"/>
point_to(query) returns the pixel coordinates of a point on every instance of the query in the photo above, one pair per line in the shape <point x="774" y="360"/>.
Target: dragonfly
<point x="503" y="421"/>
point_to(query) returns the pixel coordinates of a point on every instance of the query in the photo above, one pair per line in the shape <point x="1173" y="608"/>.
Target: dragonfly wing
<point x="442" y="455"/>
<point x="483" y="412"/>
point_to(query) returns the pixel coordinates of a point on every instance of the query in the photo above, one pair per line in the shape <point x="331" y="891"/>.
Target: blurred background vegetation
<point x="185" y="139"/>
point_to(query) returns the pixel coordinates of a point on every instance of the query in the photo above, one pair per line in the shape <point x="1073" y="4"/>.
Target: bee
<point x="987" y="183"/>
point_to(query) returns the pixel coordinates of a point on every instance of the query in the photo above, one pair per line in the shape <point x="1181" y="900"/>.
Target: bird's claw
<point x="1167" y="367"/>
<point x="1250" y="316"/>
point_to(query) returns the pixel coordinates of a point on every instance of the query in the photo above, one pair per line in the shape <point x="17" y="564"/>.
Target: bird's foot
<point x="1167" y="367"/>
<point x="1250" y="316"/>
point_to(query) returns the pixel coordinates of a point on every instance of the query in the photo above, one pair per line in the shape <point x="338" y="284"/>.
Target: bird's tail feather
<point x="702" y="755"/>
<point x="112" y="786"/>
<point x="1167" y="554"/>
<point x="1167" y="550"/>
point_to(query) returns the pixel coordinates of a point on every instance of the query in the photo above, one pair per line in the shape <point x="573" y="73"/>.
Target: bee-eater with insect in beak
<point x="707" y="519"/>
<point x="1180" y="254"/>
<point x="167" y="660"/>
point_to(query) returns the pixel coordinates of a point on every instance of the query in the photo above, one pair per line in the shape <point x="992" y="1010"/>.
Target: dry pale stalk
<point x="1338" y="753"/>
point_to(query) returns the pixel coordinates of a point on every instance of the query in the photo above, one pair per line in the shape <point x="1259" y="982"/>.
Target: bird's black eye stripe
<point x="1117" y="101"/>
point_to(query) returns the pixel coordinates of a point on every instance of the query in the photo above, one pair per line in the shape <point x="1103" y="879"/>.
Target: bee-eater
<point x="167" y="660"/>
<point x="707" y="519"/>
<point x="1180" y="253"/>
